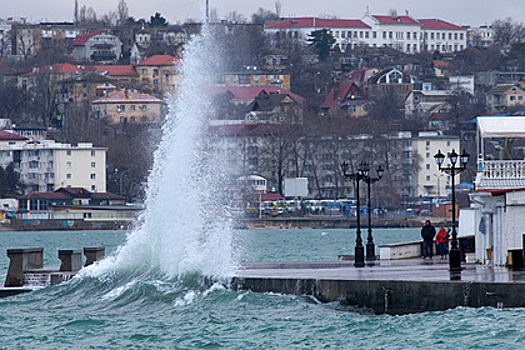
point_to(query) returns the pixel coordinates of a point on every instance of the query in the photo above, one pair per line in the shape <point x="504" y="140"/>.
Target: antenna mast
<point x="207" y="11"/>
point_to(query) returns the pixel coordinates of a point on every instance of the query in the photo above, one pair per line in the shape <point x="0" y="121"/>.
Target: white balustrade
<point x="501" y="174"/>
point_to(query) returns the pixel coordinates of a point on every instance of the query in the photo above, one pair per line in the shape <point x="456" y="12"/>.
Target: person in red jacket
<point x="442" y="241"/>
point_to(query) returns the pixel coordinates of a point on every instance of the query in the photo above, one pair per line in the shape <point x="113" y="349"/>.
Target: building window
<point x="93" y="153"/>
<point x="408" y="35"/>
<point x="427" y="143"/>
<point x="390" y="34"/>
<point x="366" y="35"/>
<point x="68" y="164"/>
<point x="448" y="143"/>
<point x="121" y="108"/>
<point x="132" y="107"/>
<point x="68" y="152"/>
<point x="93" y="188"/>
<point x="132" y="119"/>
<point x="93" y="176"/>
<point x="68" y="176"/>
<point x="93" y="165"/>
<point x="144" y="71"/>
<point x="374" y="35"/>
<point x="428" y="177"/>
<point x="427" y="155"/>
<point x="428" y="166"/>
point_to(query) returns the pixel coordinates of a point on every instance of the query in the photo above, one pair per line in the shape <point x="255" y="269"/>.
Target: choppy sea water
<point x="137" y="310"/>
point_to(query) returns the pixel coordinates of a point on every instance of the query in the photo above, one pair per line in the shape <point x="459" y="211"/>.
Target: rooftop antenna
<point x="207" y="11"/>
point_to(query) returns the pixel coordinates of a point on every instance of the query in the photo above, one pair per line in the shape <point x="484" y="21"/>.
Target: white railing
<point x="501" y="174"/>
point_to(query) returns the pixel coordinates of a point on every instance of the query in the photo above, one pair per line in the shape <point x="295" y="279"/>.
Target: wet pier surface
<point x="399" y="270"/>
<point x="392" y="287"/>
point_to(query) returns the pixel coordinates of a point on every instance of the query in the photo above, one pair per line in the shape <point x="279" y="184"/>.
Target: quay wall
<point x="326" y="222"/>
<point x="392" y="296"/>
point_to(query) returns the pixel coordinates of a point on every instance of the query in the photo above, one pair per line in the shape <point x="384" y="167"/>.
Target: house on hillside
<point x="274" y="108"/>
<point x="129" y="106"/>
<point x="159" y="73"/>
<point x="503" y="97"/>
<point x="97" y="46"/>
<point x="389" y="81"/>
<point x="348" y="98"/>
<point x="421" y="102"/>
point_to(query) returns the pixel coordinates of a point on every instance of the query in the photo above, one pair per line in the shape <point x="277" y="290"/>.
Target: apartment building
<point x="430" y="182"/>
<point x="47" y="165"/>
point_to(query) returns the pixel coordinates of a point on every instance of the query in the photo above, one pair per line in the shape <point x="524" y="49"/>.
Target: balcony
<point x="500" y="174"/>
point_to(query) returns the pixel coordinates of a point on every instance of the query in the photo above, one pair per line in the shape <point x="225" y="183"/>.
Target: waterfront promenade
<point x="393" y="287"/>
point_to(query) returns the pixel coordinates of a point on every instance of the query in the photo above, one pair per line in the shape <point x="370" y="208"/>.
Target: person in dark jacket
<point x="427" y="233"/>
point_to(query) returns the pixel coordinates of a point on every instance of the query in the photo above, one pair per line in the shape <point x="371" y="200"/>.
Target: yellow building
<point x="159" y="73"/>
<point x="504" y="96"/>
<point x="255" y="78"/>
<point x="129" y="106"/>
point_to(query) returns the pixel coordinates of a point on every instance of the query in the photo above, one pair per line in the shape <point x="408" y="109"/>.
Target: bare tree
<point x="507" y="31"/>
<point x="122" y="13"/>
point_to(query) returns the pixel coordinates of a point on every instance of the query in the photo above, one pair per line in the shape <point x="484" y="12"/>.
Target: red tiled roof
<point x="248" y="93"/>
<point x="62" y="68"/>
<point x="437" y="24"/>
<point x="314" y="22"/>
<point x="82" y="39"/>
<point x="127" y="96"/>
<point x="159" y="60"/>
<point x="396" y="20"/>
<point x="9" y="136"/>
<point x="117" y="70"/>
<point x="345" y="88"/>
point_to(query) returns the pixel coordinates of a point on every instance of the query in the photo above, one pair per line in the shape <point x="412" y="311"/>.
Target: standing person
<point x="442" y="241"/>
<point x="427" y="233"/>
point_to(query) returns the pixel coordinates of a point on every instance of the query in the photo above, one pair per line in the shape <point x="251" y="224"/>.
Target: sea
<point x="141" y="309"/>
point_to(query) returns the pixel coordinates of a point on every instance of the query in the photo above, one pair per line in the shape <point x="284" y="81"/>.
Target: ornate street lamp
<point x="370" y="246"/>
<point x="452" y="170"/>
<point x="362" y="173"/>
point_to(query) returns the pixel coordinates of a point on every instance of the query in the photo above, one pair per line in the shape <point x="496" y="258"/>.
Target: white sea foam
<point x="186" y="226"/>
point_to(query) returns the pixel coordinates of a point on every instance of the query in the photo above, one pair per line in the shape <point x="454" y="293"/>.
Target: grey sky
<point x="472" y="12"/>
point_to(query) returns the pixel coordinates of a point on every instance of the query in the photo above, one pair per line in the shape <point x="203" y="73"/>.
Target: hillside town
<point x="82" y="105"/>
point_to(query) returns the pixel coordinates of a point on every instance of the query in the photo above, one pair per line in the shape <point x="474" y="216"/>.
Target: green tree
<point x="321" y="42"/>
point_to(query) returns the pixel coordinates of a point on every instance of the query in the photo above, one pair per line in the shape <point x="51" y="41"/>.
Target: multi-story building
<point x="254" y="78"/>
<point x="504" y="96"/>
<point x="403" y="33"/>
<point x="129" y="106"/>
<point x="438" y="35"/>
<point x="97" y="46"/>
<point x="430" y="182"/>
<point x="348" y="33"/>
<point x="159" y="73"/>
<point x="47" y="165"/>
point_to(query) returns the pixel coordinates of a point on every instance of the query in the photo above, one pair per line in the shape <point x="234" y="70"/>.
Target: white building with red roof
<point x="403" y="33"/>
<point x="97" y="46"/>
<point x="442" y="36"/>
<point x="348" y="33"/>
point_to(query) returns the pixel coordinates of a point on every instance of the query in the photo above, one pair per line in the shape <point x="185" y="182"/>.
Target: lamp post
<point x="370" y="246"/>
<point x="361" y="174"/>
<point x="452" y="170"/>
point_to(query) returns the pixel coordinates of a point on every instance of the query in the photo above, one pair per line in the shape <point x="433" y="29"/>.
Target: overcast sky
<point x="462" y="12"/>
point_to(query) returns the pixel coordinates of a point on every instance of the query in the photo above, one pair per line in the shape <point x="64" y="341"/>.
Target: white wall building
<point x="47" y="165"/>
<point x="403" y="33"/>
<point x="430" y="181"/>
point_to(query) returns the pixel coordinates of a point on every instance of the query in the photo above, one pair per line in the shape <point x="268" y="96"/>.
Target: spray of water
<point x="186" y="227"/>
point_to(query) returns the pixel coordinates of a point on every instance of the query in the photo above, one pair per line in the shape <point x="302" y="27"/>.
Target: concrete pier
<point x="27" y="273"/>
<point x="391" y="287"/>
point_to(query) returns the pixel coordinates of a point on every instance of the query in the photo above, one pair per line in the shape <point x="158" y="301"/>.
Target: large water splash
<point x="185" y="228"/>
